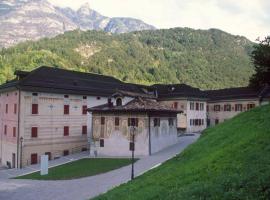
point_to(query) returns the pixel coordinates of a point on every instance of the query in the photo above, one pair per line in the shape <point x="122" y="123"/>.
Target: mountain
<point x="208" y="59"/>
<point x="22" y="20"/>
<point x="229" y="161"/>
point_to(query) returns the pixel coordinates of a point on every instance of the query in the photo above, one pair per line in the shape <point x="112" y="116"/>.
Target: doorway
<point x="13" y="160"/>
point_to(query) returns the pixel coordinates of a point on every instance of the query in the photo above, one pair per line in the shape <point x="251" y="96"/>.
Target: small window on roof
<point x="35" y="94"/>
<point x="118" y="102"/>
<point x="66" y="96"/>
<point x="84" y="97"/>
<point x="98" y="98"/>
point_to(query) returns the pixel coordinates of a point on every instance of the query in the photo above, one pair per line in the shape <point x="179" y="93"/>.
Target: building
<point x="152" y="123"/>
<point x="45" y="111"/>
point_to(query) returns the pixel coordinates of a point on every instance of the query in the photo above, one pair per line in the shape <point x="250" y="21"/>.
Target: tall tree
<point x="261" y="60"/>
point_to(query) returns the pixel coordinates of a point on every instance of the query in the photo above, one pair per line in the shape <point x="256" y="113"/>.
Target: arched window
<point x="118" y="102"/>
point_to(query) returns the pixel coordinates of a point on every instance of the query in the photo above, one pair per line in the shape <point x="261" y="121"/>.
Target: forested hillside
<point x="206" y="59"/>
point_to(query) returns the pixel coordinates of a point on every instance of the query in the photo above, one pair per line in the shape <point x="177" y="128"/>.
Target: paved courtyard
<point x="84" y="188"/>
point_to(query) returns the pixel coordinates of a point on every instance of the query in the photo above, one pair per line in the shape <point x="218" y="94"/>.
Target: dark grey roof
<point x="48" y="79"/>
<point x="233" y="93"/>
<point x="178" y="90"/>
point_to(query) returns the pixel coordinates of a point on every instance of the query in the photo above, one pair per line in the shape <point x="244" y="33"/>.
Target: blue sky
<point x="250" y="18"/>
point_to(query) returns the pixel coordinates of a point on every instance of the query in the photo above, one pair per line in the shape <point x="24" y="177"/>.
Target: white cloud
<point x="241" y="17"/>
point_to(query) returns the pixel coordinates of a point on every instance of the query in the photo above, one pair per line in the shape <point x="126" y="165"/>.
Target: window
<point x="216" y="107"/>
<point x="66" y="96"/>
<point x="238" y="107"/>
<point x="196" y="122"/>
<point x="133" y="122"/>
<point x="5" y="130"/>
<point x="227" y="107"/>
<point x="202" y="121"/>
<point x="84" y="149"/>
<point x="118" y="102"/>
<point x="35" y="94"/>
<point x="102" y="120"/>
<point x="191" y="105"/>
<point x="84" y="97"/>
<point x="84" y="110"/>
<point x="34" y="109"/>
<point x="216" y="121"/>
<point x="66" y="131"/>
<point x="6" y="108"/>
<point x="170" y="121"/>
<point x="34" y="132"/>
<point x="84" y="130"/>
<point x="49" y="154"/>
<point x="65" y="152"/>
<point x="116" y="121"/>
<point x="14" y="131"/>
<point x="201" y="106"/>
<point x="250" y="106"/>
<point x="191" y="122"/>
<point x="197" y="106"/>
<point x="15" y="108"/>
<point x="156" y="122"/>
<point x="66" y="109"/>
<point x="101" y="142"/>
<point x="175" y="105"/>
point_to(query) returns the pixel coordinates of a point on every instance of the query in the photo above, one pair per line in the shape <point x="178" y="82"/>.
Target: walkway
<point x="88" y="187"/>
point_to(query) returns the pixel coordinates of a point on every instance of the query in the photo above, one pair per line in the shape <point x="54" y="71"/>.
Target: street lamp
<point x="21" y="140"/>
<point x="132" y="149"/>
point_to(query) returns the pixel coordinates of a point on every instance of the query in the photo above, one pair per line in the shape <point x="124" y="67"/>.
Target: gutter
<point x="18" y="128"/>
<point x="149" y="130"/>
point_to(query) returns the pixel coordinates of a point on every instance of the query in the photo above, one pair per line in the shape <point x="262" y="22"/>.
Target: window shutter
<point x="84" y="110"/>
<point x="66" y="131"/>
<point x="34" y="109"/>
<point x="14" y="131"/>
<point x="34" y="132"/>
<point x="84" y="130"/>
<point x="66" y="109"/>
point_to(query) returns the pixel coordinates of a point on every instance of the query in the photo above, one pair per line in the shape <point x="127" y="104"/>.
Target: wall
<point x="196" y="114"/>
<point x="117" y="138"/>
<point x="188" y="114"/>
<point x="8" y="142"/>
<point x="164" y="135"/>
<point x="225" y="115"/>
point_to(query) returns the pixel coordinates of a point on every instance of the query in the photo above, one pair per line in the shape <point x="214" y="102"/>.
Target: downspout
<point x="149" y="133"/>
<point x="18" y="128"/>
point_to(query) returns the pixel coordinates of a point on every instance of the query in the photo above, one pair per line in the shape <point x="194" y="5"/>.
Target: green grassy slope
<point x="206" y="59"/>
<point x="81" y="168"/>
<point x="229" y="161"/>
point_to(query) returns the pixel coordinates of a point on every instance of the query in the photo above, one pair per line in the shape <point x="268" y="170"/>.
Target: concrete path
<point x="85" y="188"/>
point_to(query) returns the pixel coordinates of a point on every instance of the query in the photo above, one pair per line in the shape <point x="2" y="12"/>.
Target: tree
<point x="261" y="60"/>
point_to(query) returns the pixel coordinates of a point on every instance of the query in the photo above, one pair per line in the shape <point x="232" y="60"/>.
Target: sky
<point x="250" y="18"/>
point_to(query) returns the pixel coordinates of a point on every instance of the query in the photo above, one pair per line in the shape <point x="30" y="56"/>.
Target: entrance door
<point x="216" y="121"/>
<point x="13" y="160"/>
<point x="34" y="158"/>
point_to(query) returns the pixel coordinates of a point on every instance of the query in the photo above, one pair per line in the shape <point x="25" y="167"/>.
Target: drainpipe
<point x="18" y="135"/>
<point x="149" y="133"/>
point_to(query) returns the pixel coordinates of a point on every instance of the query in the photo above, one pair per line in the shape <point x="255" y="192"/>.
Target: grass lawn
<point x="81" y="168"/>
<point x="229" y="161"/>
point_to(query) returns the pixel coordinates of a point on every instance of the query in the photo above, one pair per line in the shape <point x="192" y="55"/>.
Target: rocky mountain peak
<point x="22" y="20"/>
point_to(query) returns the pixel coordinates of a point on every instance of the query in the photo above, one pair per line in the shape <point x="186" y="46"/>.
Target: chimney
<point x="110" y="103"/>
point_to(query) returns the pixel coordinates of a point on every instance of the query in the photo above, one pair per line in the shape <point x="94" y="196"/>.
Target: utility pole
<point x="132" y="148"/>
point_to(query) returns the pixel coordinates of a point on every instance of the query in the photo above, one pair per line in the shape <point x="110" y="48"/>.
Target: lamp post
<point x="132" y="148"/>
<point x="21" y="141"/>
